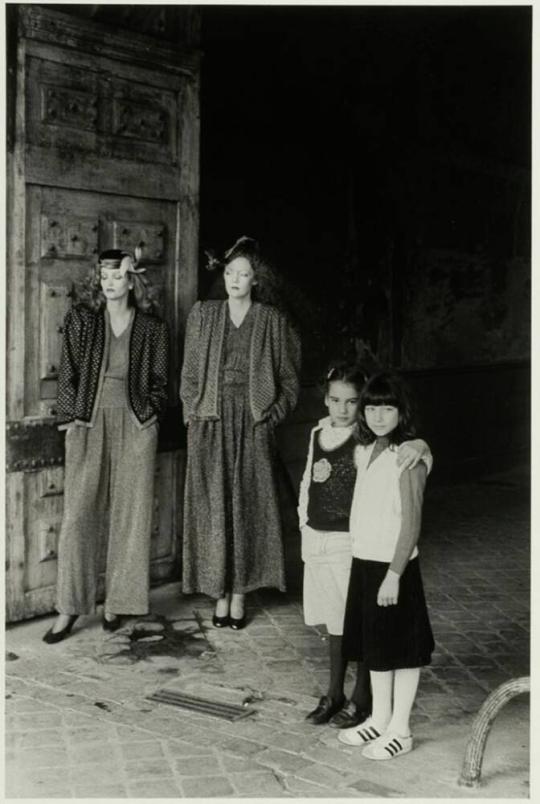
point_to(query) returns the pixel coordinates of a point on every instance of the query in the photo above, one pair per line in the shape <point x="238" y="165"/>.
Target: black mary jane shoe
<point x="51" y="637"/>
<point x="237" y="623"/>
<point x="351" y="714"/>
<point x="111" y="625"/>
<point x="325" y="709"/>
<point x="220" y="622"/>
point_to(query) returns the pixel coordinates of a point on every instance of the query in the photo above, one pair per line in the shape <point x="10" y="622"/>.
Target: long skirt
<point x="386" y="637"/>
<point x="108" y="495"/>
<point x="232" y="522"/>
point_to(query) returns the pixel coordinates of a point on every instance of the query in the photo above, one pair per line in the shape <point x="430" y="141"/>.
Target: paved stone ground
<point x="78" y="722"/>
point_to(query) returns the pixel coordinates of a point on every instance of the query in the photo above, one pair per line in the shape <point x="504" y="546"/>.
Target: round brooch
<point x="322" y="470"/>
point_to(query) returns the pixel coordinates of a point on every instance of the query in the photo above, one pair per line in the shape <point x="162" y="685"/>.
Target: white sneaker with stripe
<point x="388" y="746"/>
<point x="362" y="734"/>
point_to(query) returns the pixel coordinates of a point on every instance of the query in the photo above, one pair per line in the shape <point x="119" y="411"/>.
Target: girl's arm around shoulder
<point x="415" y="482"/>
<point x="410" y="453"/>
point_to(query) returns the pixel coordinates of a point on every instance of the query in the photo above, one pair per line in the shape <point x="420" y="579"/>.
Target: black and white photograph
<point x="268" y="305"/>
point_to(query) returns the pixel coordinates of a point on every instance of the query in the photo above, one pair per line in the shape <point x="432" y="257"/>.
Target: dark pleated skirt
<point x="386" y="637"/>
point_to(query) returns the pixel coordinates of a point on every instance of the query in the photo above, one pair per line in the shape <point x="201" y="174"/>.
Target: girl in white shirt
<point x="386" y="621"/>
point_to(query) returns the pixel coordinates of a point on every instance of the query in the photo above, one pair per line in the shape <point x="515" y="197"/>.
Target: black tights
<point x="338" y="667"/>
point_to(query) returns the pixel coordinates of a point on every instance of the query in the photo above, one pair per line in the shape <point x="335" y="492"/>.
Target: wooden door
<point x="103" y="153"/>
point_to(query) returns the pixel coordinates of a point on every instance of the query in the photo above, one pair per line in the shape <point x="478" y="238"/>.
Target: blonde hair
<point x="142" y="295"/>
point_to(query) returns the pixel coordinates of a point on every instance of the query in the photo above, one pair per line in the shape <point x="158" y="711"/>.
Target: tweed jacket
<point x="274" y="363"/>
<point x="83" y="364"/>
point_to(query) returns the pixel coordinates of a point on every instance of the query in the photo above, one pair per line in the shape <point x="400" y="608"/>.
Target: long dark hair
<point x="387" y="388"/>
<point x="143" y="296"/>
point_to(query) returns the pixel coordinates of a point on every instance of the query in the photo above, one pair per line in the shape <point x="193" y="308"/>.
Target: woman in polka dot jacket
<point x="112" y="388"/>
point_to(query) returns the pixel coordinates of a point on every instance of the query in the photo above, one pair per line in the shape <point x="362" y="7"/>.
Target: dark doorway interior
<point x="382" y="156"/>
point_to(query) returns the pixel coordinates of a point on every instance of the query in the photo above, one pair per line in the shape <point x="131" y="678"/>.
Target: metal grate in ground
<point x="201" y="705"/>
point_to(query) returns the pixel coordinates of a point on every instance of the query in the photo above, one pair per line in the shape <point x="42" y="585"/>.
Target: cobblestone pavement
<point x="78" y="722"/>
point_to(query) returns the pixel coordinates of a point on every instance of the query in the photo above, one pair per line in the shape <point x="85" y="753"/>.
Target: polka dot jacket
<point x="82" y="367"/>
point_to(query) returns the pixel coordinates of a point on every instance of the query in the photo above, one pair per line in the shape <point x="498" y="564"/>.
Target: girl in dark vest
<point x="326" y="494"/>
<point x="112" y="387"/>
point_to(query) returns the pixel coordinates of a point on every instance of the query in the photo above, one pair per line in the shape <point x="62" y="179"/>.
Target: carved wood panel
<point x="142" y="121"/>
<point x="49" y="532"/>
<point x="64" y="106"/>
<point x="90" y="110"/>
<point x="43" y="529"/>
<point x="51" y="483"/>
<point x="139" y="122"/>
<point x="63" y="237"/>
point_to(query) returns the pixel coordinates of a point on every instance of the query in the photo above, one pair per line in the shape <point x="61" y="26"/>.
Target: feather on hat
<point x="122" y="261"/>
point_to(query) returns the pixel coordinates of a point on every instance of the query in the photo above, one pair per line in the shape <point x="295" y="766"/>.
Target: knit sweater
<point x="274" y="363"/>
<point x="83" y="363"/>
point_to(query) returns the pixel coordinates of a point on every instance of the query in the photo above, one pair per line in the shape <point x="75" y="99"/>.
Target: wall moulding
<point x="55" y="28"/>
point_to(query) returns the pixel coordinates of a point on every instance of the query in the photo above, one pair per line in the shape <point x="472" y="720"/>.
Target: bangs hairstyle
<point x="387" y="388"/>
<point x="350" y="373"/>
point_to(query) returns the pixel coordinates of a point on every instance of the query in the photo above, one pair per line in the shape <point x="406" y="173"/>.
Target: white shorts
<point x="327" y="557"/>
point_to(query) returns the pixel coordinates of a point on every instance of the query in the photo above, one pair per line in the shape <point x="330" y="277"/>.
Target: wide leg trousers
<point x="109" y="480"/>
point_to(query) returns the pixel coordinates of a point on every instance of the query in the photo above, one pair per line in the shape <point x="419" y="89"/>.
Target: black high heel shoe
<point x="51" y="637"/>
<point x="220" y="622"/>
<point x="237" y="623"/>
<point x="111" y="625"/>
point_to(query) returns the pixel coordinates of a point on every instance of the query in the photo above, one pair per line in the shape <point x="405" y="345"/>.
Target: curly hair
<point x="143" y="296"/>
<point x="387" y="388"/>
<point x="271" y="288"/>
